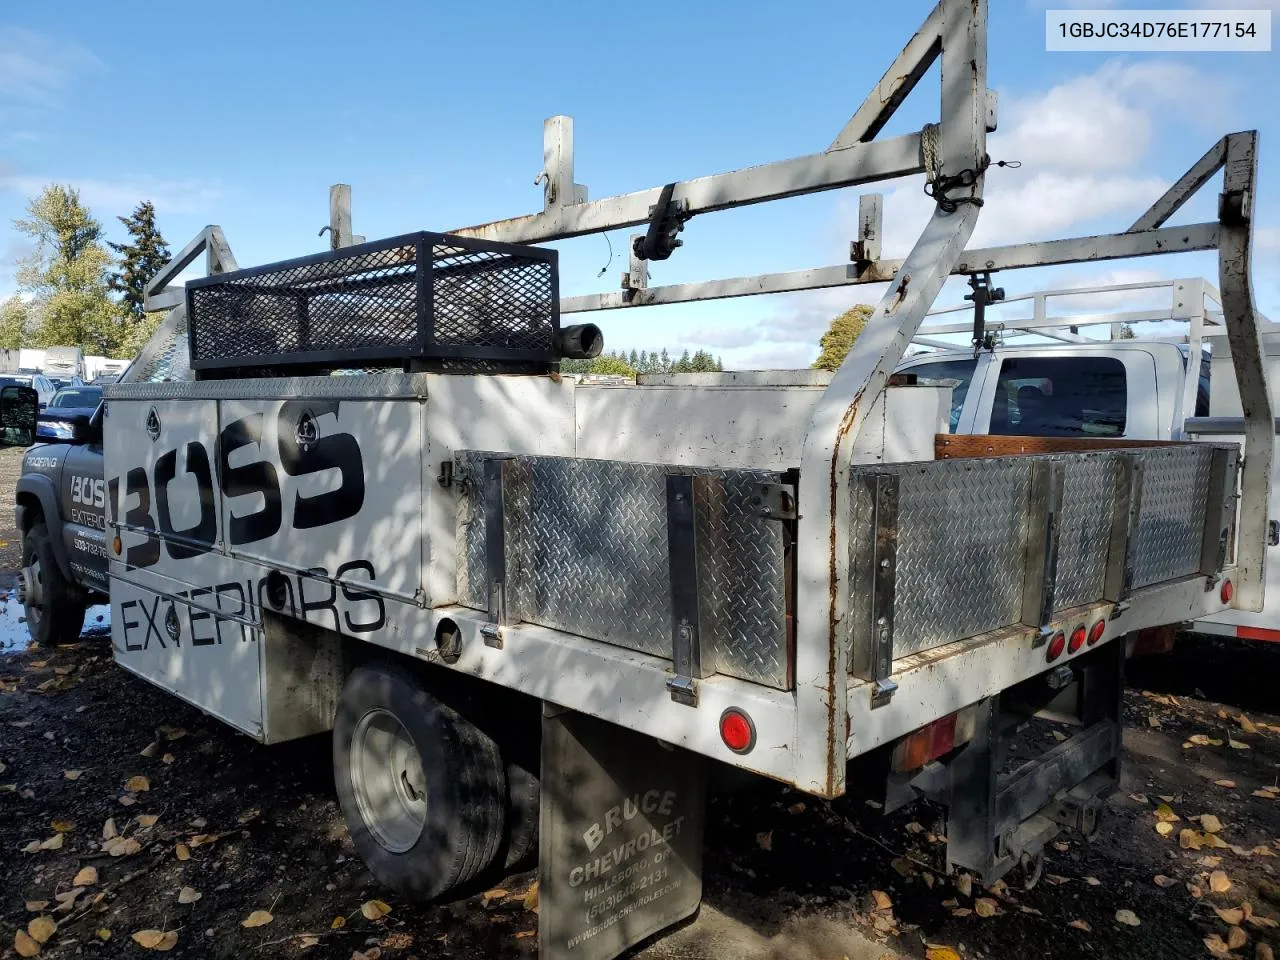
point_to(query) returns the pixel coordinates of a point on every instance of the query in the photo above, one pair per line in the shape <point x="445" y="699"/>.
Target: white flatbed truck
<point x="351" y="492"/>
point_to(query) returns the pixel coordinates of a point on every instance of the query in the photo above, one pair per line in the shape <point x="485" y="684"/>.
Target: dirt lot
<point x="86" y="749"/>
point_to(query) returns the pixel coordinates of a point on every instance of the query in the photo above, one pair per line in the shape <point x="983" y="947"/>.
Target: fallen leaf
<point x="1236" y="938"/>
<point x="128" y="800"/>
<point x="1213" y="840"/>
<point x="32" y="847"/>
<point x="796" y="809"/>
<point x="123" y="847"/>
<point x="1081" y="925"/>
<point x="1164" y="829"/>
<point x="882" y="900"/>
<point x="148" y="819"/>
<point x="104" y="934"/>
<point x="25" y="946"/>
<point x="1211" y="863"/>
<point x="1138" y="797"/>
<point x="1195" y="891"/>
<point x="1153" y="721"/>
<point x="1162" y="881"/>
<point x="498" y="893"/>
<point x="53" y="843"/>
<point x="1266" y="793"/>
<point x="109" y="829"/>
<point x="35" y="906"/>
<point x="374" y="909"/>
<point x="182" y="852"/>
<point x="940" y="953"/>
<point x="138" y="784"/>
<point x="200" y="839"/>
<point x="189" y="895"/>
<point x="338" y="923"/>
<point x="914" y="827"/>
<point x="765" y="840"/>
<point x="1232" y="918"/>
<point x="1210" y="824"/>
<point x="1128" y="918"/>
<point x="1201" y="740"/>
<point x="1264" y="952"/>
<point x="1229" y="784"/>
<point x="951" y="904"/>
<point x="962" y="912"/>
<point x="964" y="883"/>
<point x="373" y="953"/>
<point x="149" y="750"/>
<point x="1165" y="814"/>
<point x="71" y="774"/>
<point x="63" y="826"/>
<point x="68" y="895"/>
<point x="531" y="896"/>
<point x="526" y="934"/>
<point x="1263" y="851"/>
<point x="1219" y="882"/>
<point x="1093" y="881"/>
<point x="1031" y="910"/>
<point x="1190" y="839"/>
<point x="984" y="907"/>
<point x="1216" y="945"/>
<point x="1059" y="736"/>
<point x="1237" y="745"/>
<point x="173" y="733"/>
<point x="259" y="918"/>
<point x="1247" y="726"/>
<point x="167" y="758"/>
<point x="308" y="940"/>
<point x="903" y="867"/>
<point x="1261" y="923"/>
<point x="42" y="928"/>
<point x="928" y="880"/>
<point x="1063" y="847"/>
<point x="156" y="939"/>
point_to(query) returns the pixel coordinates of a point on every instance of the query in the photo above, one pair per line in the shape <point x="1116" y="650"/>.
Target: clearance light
<point x="737" y="731"/>
<point x="1096" y="632"/>
<point x="1056" y="646"/>
<point x="1228" y="591"/>
<point x="1077" y="639"/>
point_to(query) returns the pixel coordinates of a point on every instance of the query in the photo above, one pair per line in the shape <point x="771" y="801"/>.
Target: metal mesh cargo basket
<point x="422" y="296"/>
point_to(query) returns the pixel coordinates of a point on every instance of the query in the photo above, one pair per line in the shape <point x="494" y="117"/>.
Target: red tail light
<point x="1077" y="639"/>
<point x="1228" y="591"/>
<point x="934" y="740"/>
<point x="1096" y="632"/>
<point x="737" y="731"/>
<point x="1056" y="646"/>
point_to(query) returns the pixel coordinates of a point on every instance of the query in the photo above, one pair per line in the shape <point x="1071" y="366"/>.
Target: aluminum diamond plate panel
<point x="1084" y="529"/>
<point x="1171" y="520"/>
<point x="587" y="553"/>
<point x="960" y="549"/>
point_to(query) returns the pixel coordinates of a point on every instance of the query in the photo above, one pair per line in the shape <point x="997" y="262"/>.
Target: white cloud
<point x="36" y="69"/>
<point x="108" y="198"/>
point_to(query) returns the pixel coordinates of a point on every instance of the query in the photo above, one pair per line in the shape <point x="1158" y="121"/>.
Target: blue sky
<point x="433" y="112"/>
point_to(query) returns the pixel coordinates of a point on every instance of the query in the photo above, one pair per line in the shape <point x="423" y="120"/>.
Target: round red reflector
<point x="1077" y="639"/>
<point x="1056" y="646"/>
<point x="1227" y="591"/>
<point x="737" y="731"/>
<point x="1096" y="632"/>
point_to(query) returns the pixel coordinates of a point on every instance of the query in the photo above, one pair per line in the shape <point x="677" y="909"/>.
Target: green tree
<point x="1126" y="332"/>
<point x="14" y="317"/>
<point x="844" y="329"/>
<point x="140" y="258"/>
<point x="67" y="274"/>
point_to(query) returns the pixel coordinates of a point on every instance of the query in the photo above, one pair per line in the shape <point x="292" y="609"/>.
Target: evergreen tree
<point x="633" y="359"/>
<point x="844" y="329"/>
<point x="67" y="273"/>
<point x="664" y="362"/>
<point x="140" y="259"/>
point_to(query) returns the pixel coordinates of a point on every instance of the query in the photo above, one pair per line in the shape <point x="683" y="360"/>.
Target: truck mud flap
<point x="621" y="837"/>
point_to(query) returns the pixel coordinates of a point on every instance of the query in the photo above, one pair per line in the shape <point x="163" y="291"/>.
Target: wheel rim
<point x="32" y="588"/>
<point x="389" y="783"/>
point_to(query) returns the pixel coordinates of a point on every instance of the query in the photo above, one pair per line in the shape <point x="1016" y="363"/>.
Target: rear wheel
<point x="422" y="788"/>
<point x="54" y="607"/>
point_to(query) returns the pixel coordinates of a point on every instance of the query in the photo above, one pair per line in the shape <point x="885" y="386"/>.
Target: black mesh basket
<point x="422" y="296"/>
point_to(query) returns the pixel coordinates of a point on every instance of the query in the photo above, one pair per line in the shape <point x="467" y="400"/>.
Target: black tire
<point x="54" y="607"/>
<point x="523" y="788"/>
<point x="462" y="786"/>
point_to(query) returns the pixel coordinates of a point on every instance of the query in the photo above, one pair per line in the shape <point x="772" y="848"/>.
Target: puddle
<point x="13" y="620"/>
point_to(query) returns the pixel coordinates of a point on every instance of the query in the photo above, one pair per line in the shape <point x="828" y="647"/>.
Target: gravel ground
<point x="786" y="876"/>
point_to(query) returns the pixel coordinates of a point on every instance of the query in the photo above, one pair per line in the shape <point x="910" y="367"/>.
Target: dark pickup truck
<point x="61" y="514"/>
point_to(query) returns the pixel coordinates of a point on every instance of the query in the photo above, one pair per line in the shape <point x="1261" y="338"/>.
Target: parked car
<point x="55" y="421"/>
<point x="42" y="385"/>
<point x="105" y="378"/>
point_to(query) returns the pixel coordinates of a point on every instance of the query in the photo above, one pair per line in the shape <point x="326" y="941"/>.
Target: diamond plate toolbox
<point x="587" y="553"/>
